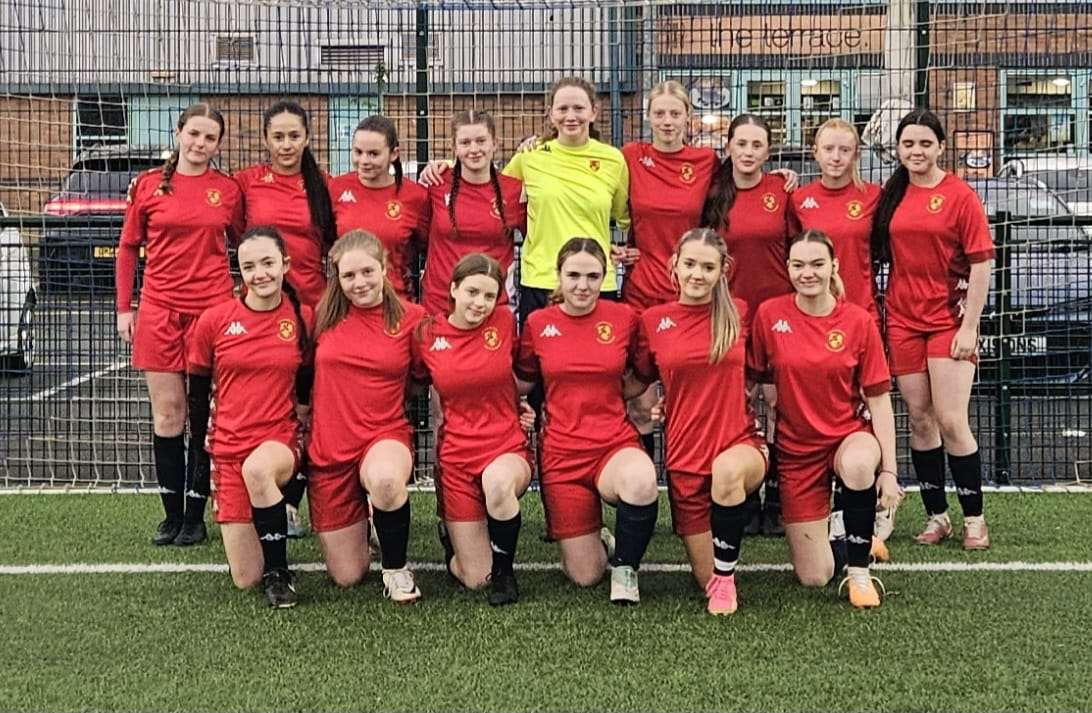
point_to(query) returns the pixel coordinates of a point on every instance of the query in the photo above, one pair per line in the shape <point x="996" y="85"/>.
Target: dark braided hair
<point x="314" y="183"/>
<point x="895" y="188"/>
<point x="382" y="125"/>
<point x="722" y="191"/>
<point x="303" y="341"/>
<point x="203" y="110"/>
<point x="471" y="118"/>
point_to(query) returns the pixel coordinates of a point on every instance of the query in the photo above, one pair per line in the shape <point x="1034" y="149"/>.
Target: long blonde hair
<point x="840" y="124"/>
<point x="724" y="322"/>
<point x="814" y="235"/>
<point x="334" y="305"/>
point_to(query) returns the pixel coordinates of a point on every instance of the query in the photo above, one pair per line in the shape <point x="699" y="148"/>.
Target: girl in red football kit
<point x="482" y="454"/>
<point x="391" y="207"/>
<point x="361" y="442"/>
<point x="932" y="228"/>
<point x="290" y="193"/>
<point x="696" y="345"/>
<point x="752" y="210"/>
<point x="823" y="353"/>
<point x="183" y="214"/>
<point x="257" y="351"/>
<point x="581" y="347"/>
<point x="474" y="209"/>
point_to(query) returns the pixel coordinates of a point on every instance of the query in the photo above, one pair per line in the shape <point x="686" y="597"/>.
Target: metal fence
<point x="90" y="89"/>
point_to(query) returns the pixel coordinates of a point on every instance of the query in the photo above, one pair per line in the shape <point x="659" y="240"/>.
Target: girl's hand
<point x="792" y="178"/>
<point x="526" y="416"/>
<point x="433" y="173"/>
<point x="964" y="344"/>
<point x="888" y="492"/>
<point x="125" y="327"/>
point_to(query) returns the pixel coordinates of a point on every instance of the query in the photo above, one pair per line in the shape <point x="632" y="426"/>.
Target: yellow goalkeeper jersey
<point x="571" y="192"/>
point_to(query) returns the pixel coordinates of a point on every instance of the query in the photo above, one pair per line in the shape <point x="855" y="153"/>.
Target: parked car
<point x="1070" y="178"/>
<point x="17" y="302"/>
<point x="79" y="257"/>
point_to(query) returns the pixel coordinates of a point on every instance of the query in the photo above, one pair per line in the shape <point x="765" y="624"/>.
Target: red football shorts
<point x="570" y="491"/>
<point x="230" y="498"/>
<point x="691" y="496"/>
<point x="161" y="337"/>
<point x="910" y="350"/>
<point x="336" y="497"/>
<point x="806" y="483"/>
<point x="459" y="494"/>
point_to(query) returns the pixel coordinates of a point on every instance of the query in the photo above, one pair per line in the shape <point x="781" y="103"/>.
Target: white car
<point x="17" y="301"/>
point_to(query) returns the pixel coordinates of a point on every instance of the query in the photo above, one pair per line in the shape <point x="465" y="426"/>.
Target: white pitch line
<point x="46" y="393"/>
<point x="177" y="568"/>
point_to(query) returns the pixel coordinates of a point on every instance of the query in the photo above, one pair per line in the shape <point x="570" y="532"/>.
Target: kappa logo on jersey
<point x="782" y="326"/>
<point x="647" y="162"/>
<point x="769" y="202"/>
<point x="550" y="331"/>
<point x="439" y="345"/>
<point x="268" y="178"/>
<point x="286" y="329"/>
<point x="809" y="203"/>
<point x="129" y="190"/>
<point x="212" y="197"/>
<point x="936" y="202"/>
<point x="235" y="329"/>
<point x="492" y="339"/>
<point x="665" y="324"/>
<point x="593" y="164"/>
<point x="346" y="197"/>
<point x="394" y="210"/>
<point x="686" y="173"/>
<point x="854" y="210"/>
<point x="604" y="332"/>
<point x="836" y="340"/>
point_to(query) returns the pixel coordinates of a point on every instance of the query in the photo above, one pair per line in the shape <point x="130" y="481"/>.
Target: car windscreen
<point x="1072" y="186"/>
<point x="98" y="183"/>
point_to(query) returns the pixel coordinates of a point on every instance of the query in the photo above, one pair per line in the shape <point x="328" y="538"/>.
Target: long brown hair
<point x="724" y="322"/>
<point x="722" y="191"/>
<point x="303" y="341"/>
<point x="550" y="131"/>
<point x="194" y="110"/>
<point x="334" y="305"/>
<point x="386" y="128"/>
<point x="472" y="118"/>
<point x="471" y="264"/>
<point x="814" y="235"/>
<point x="575" y="246"/>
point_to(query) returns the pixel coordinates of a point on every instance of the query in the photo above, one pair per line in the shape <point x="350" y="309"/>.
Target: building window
<point x="234" y="49"/>
<point x="820" y="99"/>
<point x="1040" y="115"/>
<point x="100" y="121"/>
<point x="766" y="98"/>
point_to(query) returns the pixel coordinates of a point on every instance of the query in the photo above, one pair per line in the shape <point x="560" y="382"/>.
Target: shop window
<point x="1039" y="92"/>
<point x="1038" y="132"/>
<point x="767" y="99"/>
<point x="1039" y="113"/>
<point x="819" y="100"/>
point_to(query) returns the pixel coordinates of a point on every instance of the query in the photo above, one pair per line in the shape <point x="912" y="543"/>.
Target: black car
<point x="78" y="257"/>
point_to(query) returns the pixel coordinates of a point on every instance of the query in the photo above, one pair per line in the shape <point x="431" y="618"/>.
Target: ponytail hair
<point x="575" y="246"/>
<point x="194" y="110"/>
<point x="471" y="118"/>
<point x="724" y="322"/>
<point x="334" y="305"/>
<point x="814" y="235"/>
<point x="840" y="124"/>
<point x="303" y="341"/>
<point x="314" y="183"/>
<point x="550" y="132"/>
<point x="895" y="188"/>
<point x="382" y="125"/>
<point x="722" y="191"/>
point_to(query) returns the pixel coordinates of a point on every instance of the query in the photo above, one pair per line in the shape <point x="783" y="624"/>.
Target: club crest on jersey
<point x="836" y="340"/>
<point x="212" y="197"/>
<point x="394" y="210"/>
<point x="854" y="210"/>
<point x="936" y="202"/>
<point x="604" y="332"/>
<point x="686" y="173"/>
<point x="593" y="164"/>
<point x="769" y="202"/>
<point x="492" y="339"/>
<point x="286" y="330"/>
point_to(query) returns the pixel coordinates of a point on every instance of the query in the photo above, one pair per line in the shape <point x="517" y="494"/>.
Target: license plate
<point x="109" y="251"/>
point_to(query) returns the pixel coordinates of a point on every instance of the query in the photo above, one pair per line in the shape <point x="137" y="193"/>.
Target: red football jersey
<point x="844" y="214"/>
<point x="361" y="371"/>
<point x="582" y="361"/>
<point x="820" y="365"/>
<point x="472" y="371"/>
<point x="480" y="231"/>
<point x="253" y="358"/>
<point x="281" y="201"/>
<point x="398" y="218"/>
<point x="185" y="233"/>
<point x="936" y="235"/>
<point x="666" y="195"/>
<point x="759" y="225"/>
<point x="707" y="406"/>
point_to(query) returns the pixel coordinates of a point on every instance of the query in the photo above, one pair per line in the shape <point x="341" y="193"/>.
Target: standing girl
<point x="714" y="456"/>
<point x="932" y="228"/>
<point x="182" y="214"/>
<point x="483" y="460"/>
<point x="257" y="351"/>
<point x="386" y="205"/>
<point x="823" y="353"/>
<point x="361" y="441"/>
<point x="582" y="347"/>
